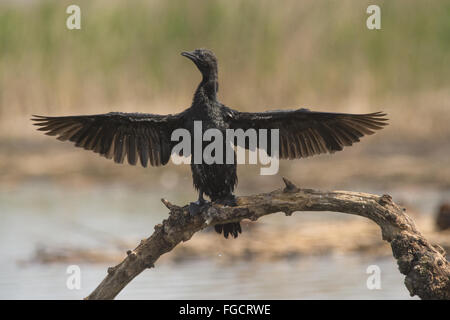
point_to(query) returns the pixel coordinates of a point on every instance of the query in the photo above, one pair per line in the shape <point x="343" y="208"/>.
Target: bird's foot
<point x="229" y="201"/>
<point x="196" y="207"/>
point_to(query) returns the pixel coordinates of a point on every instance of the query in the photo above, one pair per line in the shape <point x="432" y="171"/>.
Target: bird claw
<point x="229" y="202"/>
<point x="196" y="207"/>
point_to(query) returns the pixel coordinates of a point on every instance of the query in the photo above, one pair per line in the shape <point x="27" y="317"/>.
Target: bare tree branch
<point x="425" y="266"/>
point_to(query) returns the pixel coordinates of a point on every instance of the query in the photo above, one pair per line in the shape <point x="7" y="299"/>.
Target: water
<point x="310" y="278"/>
<point x="42" y="214"/>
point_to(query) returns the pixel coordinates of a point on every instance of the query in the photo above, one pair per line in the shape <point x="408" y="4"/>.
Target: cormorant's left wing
<point x="303" y="133"/>
<point x="138" y="136"/>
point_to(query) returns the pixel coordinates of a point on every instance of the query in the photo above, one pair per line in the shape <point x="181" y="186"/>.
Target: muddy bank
<point x="378" y="164"/>
<point x="260" y="242"/>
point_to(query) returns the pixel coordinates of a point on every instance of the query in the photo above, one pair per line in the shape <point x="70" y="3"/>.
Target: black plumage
<point x="146" y="138"/>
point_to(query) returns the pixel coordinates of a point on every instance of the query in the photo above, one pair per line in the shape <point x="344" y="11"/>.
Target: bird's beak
<point x="189" y="55"/>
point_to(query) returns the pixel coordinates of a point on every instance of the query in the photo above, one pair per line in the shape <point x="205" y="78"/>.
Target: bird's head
<point x="204" y="59"/>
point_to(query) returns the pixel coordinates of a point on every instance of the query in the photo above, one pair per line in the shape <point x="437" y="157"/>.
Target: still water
<point x="46" y="215"/>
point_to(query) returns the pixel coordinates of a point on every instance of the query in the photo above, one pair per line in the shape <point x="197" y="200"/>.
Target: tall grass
<point x="271" y="54"/>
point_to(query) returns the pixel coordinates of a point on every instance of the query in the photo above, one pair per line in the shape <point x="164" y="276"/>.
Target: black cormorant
<point x="146" y="138"/>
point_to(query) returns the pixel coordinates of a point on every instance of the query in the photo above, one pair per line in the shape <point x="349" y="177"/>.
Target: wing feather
<point x="304" y="133"/>
<point x="115" y="135"/>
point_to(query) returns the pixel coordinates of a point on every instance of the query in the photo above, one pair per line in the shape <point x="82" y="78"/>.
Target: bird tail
<point x="233" y="228"/>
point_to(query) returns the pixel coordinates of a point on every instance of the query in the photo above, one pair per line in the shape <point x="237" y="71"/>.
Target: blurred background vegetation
<point x="272" y="55"/>
<point x="316" y="54"/>
<point x="300" y="53"/>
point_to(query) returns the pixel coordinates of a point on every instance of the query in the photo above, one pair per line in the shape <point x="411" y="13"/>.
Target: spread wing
<point x="303" y="133"/>
<point x="139" y="136"/>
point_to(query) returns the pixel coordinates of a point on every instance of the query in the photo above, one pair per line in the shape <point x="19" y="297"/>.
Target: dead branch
<point x="426" y="269"/>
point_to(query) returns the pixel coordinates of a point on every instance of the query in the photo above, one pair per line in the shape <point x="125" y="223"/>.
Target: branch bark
<point x="426" y="269"/>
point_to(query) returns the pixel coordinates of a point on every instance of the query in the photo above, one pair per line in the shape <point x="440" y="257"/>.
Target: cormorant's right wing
<point x="303" y="133"/>
<point x="116" y="135"/>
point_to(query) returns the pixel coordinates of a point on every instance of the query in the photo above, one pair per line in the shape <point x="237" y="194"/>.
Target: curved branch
<point x="425" y="266"/>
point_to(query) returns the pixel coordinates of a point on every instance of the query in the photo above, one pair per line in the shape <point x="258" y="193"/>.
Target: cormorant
<point x="147" y="137"/>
